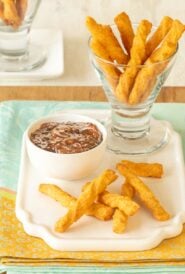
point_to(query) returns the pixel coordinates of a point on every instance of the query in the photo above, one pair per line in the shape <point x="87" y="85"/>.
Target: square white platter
<point x="50" y="41"/>
<point x="38" y="213"/>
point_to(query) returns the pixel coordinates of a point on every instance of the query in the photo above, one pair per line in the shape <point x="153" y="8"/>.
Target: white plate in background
<point x="51" y="41"/>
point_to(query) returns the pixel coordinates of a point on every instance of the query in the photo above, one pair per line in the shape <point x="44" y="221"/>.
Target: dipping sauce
<point x="67" y="137"/>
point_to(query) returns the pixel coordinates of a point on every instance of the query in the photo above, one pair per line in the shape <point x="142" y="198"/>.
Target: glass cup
<point x="131" y="130"/>
<point x="16" y="52"/>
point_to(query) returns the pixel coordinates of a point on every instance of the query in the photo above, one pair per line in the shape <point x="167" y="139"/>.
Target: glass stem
<point x="14" y="44"/>
<point x="131" y="123"/>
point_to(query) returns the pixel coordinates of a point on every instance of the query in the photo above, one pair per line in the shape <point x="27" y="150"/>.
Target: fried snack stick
<point x="1" y="10"/>
<point x="144" y="169"/>
<point x="147" y="76"/>
<point x="119" y="217"/>
<point x="158" y="35"/>
<point x="138" y="55"/>
<point x="124" y="25"/>
<point x="85" y="200"/>
<point x="10" y="13"/>
<point x="119" y="221"/>
<point x="97" y="210"/>
<point x="21" y="6"/>
<point x="105" y="36"/>
<point x="127" y="190"/>
<point x="145" y="194"/>
<point x="123" y="203"/>
<point x="111" y="72"/>
<point x="153" y="81"/>
<point x="169" y="45"/>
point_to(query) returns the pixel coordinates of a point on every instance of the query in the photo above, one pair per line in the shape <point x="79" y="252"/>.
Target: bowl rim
<point x="38" y="122"/>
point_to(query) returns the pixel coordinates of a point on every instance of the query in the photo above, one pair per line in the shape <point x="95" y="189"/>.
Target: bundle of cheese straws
<point x="95" y="200"/>
<point x="140" y="56"/>
<point x="12" y="12"/>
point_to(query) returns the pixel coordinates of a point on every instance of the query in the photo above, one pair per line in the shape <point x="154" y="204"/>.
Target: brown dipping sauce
<point x="67" y="137"/>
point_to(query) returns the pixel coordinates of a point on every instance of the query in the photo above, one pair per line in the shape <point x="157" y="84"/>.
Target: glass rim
<point x="115" y="64"/>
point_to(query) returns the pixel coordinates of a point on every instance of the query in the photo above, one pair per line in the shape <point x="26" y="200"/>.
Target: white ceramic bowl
<point x="65" y="166"/>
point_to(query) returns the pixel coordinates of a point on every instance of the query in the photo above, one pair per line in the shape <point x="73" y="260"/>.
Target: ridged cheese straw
<point x="21" y="6"/>
<point x="158" y="35"/>
<point x="138" y="55"/>
<point x="123" y="203"/>
<point x="105" y="35"/>
<point x="1" y="11"/>
<point x="119" y="221"/>
<point x="147" y="76"/>
<point x="145" y="194"/>
<point x="85" y="200"/>
<point x="144" y="169"/>
<point x="127" y="189"/>
<point x="100" y="211"/>
<point x="111" y="72"/>
<point x="119" y="216"/>
<point x="124" y="25"/>
<point x="10" y="14"/>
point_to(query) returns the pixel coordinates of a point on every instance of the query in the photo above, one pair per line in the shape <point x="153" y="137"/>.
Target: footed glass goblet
<point x="131" y="130"/>
<point x="16" y="52"/>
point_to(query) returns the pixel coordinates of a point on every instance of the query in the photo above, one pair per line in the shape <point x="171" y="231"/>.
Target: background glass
<point x="16" y="52"/>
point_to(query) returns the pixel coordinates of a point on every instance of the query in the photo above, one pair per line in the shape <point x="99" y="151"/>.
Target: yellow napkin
<point x="18" y="248"/>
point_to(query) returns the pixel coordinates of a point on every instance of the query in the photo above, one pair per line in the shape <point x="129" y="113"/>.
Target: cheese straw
<point x="147" y="76"/>
<point x="145" y="194"/>
<point x="169" y="45"/>
<point x="85" y="200"/>
<point x="105" y="36"/>
<point x="100" y="211"/>
<point x="119" y="217"/>
<point x="21" y="6"/>
<point x="127" y="190"/>
<point x="123" y="203"/>
<point x="111" y="72"/>
<point x="119" y="221"/>
<point x="1" y="10"/>
<point x="144" y="169"/>
<point x="138" y="55"/>
<point x="124" y="25"/>
<point x="158" y="35"/>
<point x="10" y="14"/>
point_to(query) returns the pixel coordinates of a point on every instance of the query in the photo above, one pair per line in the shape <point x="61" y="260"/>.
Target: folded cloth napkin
<point x="18" y="248"/>
<point x="20" y="253"/>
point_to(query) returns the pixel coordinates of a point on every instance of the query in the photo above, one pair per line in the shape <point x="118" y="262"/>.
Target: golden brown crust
<point x="119" y="221"/>
<point x="21" y="6"/>
<point x="10" y="14"/>
<point x="97" y="210"/>
<point x="111" y="72"/>
<point x="145" y="194"/>
<point x="105" y="35"/>
<point x="85" y="200"/>
<point x="1" y="11"/>
<point x="123" y="203"/>
<point x="127" y="190"/>
<point x="158" y="35"/>
<point x="138" y="56"/>
<point x="147" y="76"/>
<point x="144" y="169"/>
<point x="58" y="194"/>
<point x="124" y="25"/>
<point x="100" y="211"/>
<point x="169" y="45"/>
